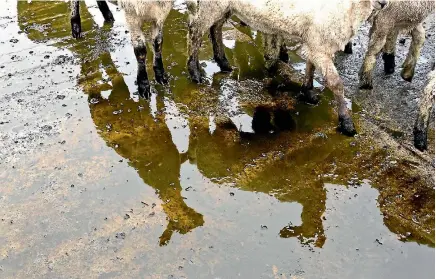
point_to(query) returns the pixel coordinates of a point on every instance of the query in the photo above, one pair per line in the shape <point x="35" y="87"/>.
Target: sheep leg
<point x="418" y="39"/>
<point x="198" y="26"/>
<point x="157" y="37"/>
<point x="426" y="105"/>
<point x="389" y="52"/>
<point x="76" y="24"/>
<point x="348" y="48"/>
<point x="216" y="36"/>
<point x="283" y="55"/>
<point x="376" y="42"/>
<point x="105" y="11"/>
<point x="307" y="87"/>
<point x="134" y="24"/>
<point x="325" y="63"/>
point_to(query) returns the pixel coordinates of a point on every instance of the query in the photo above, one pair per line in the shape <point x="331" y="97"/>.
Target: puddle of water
<point x="244" y="182"/>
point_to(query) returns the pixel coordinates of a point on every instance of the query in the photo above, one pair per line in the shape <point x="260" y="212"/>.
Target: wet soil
<point x="232" y="178"/>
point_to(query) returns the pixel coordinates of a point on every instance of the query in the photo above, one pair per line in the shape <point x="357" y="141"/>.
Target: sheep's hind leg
<point x="334" y="82"/>
<point x="426" y="105"/>
<point x="272" y="44"/>
<point x="139" y="46"/>
<point x="389" y="52"/>
<point x="376" y="43"/>
<point x="307" y="87"/>
<point x="216" y="36"/>
<point x="105" y="11"/>
<point x="418" y="39"/>
<point x="157" y="37"/>
<point x="76" y="24"/>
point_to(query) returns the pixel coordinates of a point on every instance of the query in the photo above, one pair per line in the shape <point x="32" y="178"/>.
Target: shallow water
<point x="227" y="179"/>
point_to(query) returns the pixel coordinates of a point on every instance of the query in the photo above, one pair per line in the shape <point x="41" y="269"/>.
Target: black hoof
<point x="348" y="48"/>
<point x="109" y="18"/>
<point x="365" y="83"/>
<point x="346" y="126"/>
<point x="284" y="56"/>
<point x="194" y="71"/>
<point x="76" y="29"/>
<point x="224" y="66"/>
<point x="308" y="95"/>
<point x="389" y="60"/>
<point x="144" y="90"/>
<point x="161" y="79"/>
<point x="420" y="140"/>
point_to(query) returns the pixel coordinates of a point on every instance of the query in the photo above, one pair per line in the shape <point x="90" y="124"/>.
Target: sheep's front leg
<point x="216" y="36"/>
<point x="196" y="33"/>
<point x="158" y="67"/>
<point x="105" y="11"/>
<point x="376" y="42"/>
<point x="418" y="39"/>
<point x="307" y="88"/>
<point x="76" y="24"/>
<point x="325" y="63"/>
<point x="139" y="46"/>
<point x="389" y="52"/>
<point x="426" y="105"/>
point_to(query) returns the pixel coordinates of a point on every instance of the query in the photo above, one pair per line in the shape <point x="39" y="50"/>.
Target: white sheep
<point x="426" y="105"/>
<point x="386" y="25"/>
<point x="324" y="27"/>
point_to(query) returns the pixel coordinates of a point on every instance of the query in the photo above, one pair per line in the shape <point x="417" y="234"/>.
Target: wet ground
<point x="233" y="178"/>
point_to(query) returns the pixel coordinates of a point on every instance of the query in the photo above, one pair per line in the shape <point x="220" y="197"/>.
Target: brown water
<point x="227" y="179"/>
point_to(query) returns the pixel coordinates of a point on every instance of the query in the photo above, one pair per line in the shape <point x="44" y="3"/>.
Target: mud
<point x="233" y="178"/>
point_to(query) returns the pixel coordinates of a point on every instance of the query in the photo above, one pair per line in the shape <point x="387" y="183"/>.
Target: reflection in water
<point x="282" y="150"/>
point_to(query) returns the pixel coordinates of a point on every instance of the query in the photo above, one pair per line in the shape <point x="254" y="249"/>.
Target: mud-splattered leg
<point x="199" y="24"/>
<point x="76" y="24"/>
<point x="158" y="67"/>
<point x="418" y="39"/>
<point x="216" y="36"/>
<point x="376" y="42"/>
<point x="426" y="106"/>
<point x="324" y="62"/>
<point x="307" y="88"/>
<point x="348" y="48"/>
<point x="283" y="55"/>
<point x="105" y="11"/>
<point x="389" y="52"/>
<point x="139" y="46"/>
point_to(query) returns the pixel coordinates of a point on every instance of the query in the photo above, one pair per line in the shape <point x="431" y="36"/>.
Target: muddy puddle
<point x="232" y="178"/>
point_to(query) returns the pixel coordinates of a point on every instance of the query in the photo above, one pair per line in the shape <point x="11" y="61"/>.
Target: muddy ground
<point x="233" y="178"/>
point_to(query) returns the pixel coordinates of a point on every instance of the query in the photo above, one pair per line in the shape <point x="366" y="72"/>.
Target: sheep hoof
<point x="407" y="75"/>
<point x="308" y="95"/>
<point x="225" y="66"/>
<point x="162" y="79"/>
<point x="346" y="126"/>
<point x="420" y="139"/>
<point x="389" y="65"/>
<point x="365" y="83"/>
<point x="144" y="90"/>
<point x="284" y="56"/>
<point x="348" y="49"/>
<point x="194" y="70"/>
<point x="76" y="29"/>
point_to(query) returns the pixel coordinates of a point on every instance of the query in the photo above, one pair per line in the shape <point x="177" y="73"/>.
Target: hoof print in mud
<point x="346" y="127"/>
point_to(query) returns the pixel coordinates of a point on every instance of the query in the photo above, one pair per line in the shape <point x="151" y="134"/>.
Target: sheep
<point x="323" y="26"/>
<point x="76" y="24"/>
<point x="386" y="25"/>
<point x="426" y="106"/>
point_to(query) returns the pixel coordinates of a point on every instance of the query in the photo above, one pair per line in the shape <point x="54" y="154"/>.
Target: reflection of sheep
<point x="336" y="22"/>
<point x="425" y="108"/>
<point x="76" y="24"/>
<point x="398" y="16"/>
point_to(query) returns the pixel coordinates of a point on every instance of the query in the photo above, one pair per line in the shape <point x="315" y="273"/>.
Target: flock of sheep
<point x="324" y="27"/>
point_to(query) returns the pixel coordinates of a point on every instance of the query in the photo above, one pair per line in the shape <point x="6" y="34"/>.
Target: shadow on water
<point x="235" y="133"/>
